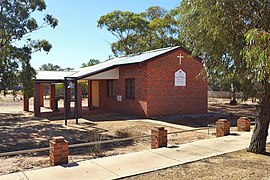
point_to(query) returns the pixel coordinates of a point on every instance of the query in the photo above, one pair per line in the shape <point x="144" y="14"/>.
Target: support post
<point x="89" y="94"/>
<point x="25" y="102"/>
<point x="65" y="100"/>
<point x="37" y="100"/>
<point x="41" y="94"/>
<point x="79" y="99"/>
<point x="222" y="127"/>
<point x="68" y="99"/>
<point x="52" y="95"/>
<point x="58" y="151"/>
<point x="159" y="137"/>
<point x="76" y="99"/>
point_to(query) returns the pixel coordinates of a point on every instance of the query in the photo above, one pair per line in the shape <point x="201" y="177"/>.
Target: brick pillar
<point x="52" y="96"/>
<point x="223" y="127"/>
<point x="159" y="137"/>
<point x="25" y="102"/>
<point x="58" y="151"/>
<point x="243" y="124"/>
<point x="89" y="94"/>
<point x="42" y="95"/>
<point x="79" y="95"/>
<point x="37" y="100"/>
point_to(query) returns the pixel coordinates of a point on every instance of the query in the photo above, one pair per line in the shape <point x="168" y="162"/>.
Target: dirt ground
<point x="237" y="165"/>
<point x="21" y="131"/>
<point x="234" y="166"/>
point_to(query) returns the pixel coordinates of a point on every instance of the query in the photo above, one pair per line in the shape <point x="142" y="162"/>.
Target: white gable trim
<point x="110" y="74"/>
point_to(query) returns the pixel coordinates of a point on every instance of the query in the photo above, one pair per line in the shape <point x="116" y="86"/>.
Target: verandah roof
<point x="53" y="76"/>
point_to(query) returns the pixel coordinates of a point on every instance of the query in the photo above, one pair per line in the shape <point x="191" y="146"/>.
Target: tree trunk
<point x="260" y="133"/>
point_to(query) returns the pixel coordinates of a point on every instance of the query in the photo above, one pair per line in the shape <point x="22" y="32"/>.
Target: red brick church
<point x="154" y="83"/>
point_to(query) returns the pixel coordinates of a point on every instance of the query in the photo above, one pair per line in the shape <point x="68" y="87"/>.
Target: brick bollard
<point x="223" y="127"/>
<point x="243" y="124"/>
<point x="159" y="137"/>
<point x="58" y="151"/>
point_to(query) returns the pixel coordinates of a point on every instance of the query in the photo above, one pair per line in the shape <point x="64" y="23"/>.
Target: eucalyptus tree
<point x="17" y="22"/>
<point x="233" y="34"/>
<point x="91" y="62"/>
<point x="137" y="32"/>
<point x="52" y="67"/>
<point x="126" y="27"/>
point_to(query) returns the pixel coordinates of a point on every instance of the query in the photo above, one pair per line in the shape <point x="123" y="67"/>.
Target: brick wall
<point x="164" y="98"/>
<point x="155" y="92"/>
<point x="137" y="106"/>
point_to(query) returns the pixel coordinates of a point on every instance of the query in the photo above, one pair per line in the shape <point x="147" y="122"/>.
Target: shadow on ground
<point x="217" y="111"/>
<point x="21" y="133"/>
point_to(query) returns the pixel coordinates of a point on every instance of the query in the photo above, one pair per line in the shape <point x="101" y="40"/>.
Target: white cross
<point x="180" y="58"/>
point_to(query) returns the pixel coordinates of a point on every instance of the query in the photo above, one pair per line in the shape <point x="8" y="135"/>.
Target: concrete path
<point x="135" y="163"/>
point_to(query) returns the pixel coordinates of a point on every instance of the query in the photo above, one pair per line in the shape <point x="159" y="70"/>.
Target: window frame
<point x="130" y="88"/>
<point x="110" y="91"/>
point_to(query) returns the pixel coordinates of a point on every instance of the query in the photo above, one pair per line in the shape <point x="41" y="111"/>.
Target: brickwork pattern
<point x="41" y="95"/>
<point x="52" y="95"/>
<point x="58" y="151"/>
<point x="25" y="102"/>
<point x="243" y="124"/>
<point x="164" y="98"/>
<point x="155" y="92"/>
<point x="159" y="137"/>
<point x="137" y="106"/>
<point x="37" y="100"/>
<point x="223" y="127"/>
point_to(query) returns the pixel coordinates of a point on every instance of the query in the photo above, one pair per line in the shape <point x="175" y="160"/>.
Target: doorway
<point x="95" y="93"/>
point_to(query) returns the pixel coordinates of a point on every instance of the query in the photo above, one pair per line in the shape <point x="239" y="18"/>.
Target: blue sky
<point x="77" y="39"/>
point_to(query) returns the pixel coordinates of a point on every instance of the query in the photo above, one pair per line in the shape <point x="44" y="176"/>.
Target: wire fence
<point x="101" y="142"/>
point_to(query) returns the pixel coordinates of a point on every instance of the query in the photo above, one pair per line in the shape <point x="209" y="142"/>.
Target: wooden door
<point x="95" y="93"/>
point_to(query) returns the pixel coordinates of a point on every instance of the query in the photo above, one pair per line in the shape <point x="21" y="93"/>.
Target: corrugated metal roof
<point x="88" y="71"/>
<point x="130" y="59"/>
<point x="53" y="75"/>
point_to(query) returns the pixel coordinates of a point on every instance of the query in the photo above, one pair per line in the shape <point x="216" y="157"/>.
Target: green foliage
<point x="257" y="54"/>
<point x="137" y="32"/>
<point x="234" y="35"/>
<point x="51" y="67"/>
<point x="84" y="86"/>
<point x="26" y="72"/>
<point x="16" y="46"/>
<point x="91" y="62"/>
<point x="59" y="90"/>
<point x="215" y="30"/>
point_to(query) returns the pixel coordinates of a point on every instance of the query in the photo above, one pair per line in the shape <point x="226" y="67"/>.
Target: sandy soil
<point x="20" y="131"/>
<point x="234" y="166"/>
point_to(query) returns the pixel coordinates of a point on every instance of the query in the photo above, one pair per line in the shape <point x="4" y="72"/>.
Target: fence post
<point x="222" y="127"/>
<point x="159" y="137"/>
<point x="243" y="124"/>
<point x="58" y="151"/>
